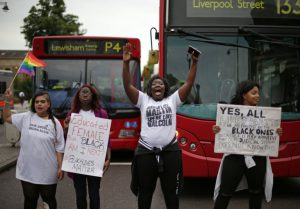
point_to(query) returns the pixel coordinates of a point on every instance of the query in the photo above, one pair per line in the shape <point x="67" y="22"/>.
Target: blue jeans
<point x="93" y="183"/>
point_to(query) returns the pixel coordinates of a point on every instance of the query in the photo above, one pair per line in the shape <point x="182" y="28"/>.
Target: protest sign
<point x="86" y="145"/>
<point x="247" y="130"/>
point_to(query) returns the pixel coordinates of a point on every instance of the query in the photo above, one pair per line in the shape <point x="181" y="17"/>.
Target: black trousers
<point x="80" y="182"/>
<point x="170" y="178"/>
<point x="234" y="168"/>
<point x="32" y="191"/>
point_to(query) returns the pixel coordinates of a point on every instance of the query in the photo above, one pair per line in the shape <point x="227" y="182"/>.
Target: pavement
<point x="9" y="152"/>
<point x="8" y="155"/>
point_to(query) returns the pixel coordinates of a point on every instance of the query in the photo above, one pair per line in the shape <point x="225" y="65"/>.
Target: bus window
<point x="2" y="87"/>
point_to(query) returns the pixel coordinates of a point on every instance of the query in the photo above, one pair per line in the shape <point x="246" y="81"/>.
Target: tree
<point x="47" y="18"/>
<point x="23" y="83"/>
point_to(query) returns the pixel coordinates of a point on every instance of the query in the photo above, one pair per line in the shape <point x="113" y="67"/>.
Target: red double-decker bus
<point x="76" y="60"/>
<point x="239" y="40"/>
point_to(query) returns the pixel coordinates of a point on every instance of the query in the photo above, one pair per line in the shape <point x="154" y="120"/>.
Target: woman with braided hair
<point x="41" y="150"/>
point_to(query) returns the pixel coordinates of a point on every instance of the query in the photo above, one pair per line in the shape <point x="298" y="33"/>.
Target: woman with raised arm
<point x="158" y="153"/>
<point x="41" y="150"/>
<point x="256" y="169"/>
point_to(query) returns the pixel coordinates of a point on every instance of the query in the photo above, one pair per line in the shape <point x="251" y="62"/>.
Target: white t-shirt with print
<point x="158" y="126"/>
<point x="37" y="162"/>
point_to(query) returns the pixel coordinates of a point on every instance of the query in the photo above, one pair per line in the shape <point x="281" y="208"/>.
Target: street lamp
<point x="5" y="7"/>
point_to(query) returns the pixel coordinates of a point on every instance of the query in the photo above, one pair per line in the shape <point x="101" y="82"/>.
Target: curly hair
<point x="76" y="106"/>
<point x="243" y="88"/>
<point x="167" y="86"/>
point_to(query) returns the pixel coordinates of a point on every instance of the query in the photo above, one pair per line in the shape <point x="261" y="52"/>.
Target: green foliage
<point x="47" y="18"/>
<point x="23" y="83"/>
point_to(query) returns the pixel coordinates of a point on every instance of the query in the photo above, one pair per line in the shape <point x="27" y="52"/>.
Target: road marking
<point x="120" y="163"/>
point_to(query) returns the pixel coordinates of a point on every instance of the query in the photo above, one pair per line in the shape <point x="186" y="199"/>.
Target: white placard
<point x="86" y="145"/>
<point x="247" y="130"/>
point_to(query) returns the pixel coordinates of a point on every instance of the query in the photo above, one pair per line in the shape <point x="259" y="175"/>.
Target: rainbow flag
<point x="27" y="69"/>
<point x="32" y="60"/>
<point x="29" y="62"/>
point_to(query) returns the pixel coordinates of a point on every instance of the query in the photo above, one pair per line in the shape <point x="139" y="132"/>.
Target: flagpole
<point x="17" y="72"/>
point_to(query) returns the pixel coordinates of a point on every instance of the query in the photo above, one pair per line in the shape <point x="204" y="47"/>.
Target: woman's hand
<point x="6" y="110"/>
<point x="60" y="174"/>
<point x="195" y="59"/>
<point x="106" y="165"/>
<point x="8" y="93"/>
<point x="127" y="52"/>
<point x="216" y="129"/>
<point x="66" y="122"/>
<point x="279" y="131"/>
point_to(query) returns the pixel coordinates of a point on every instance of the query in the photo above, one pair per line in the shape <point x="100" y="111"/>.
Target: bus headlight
<point x="183" y="140"/>
<point x="193" y="146"/>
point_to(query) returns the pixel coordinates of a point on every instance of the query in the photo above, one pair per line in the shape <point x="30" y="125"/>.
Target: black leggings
<point x="80" y="183"/>
<point x="170" y="178"/>
<point x="234" y="168"/>
<point x="32" y="191"/>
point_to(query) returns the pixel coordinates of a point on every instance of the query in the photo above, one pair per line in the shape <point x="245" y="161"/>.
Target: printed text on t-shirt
<point x="159" y="115"/>
<point x="39" y="128"/>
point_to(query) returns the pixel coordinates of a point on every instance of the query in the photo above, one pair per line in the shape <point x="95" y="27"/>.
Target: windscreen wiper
<point x="294" y="46"/>
<point x="206" y="39"/>
<point x="68" y="98"/>
<point x="181" y="31"/>
<point x="106" y="104"/>
<point x="267" y="39"/>
<point x="102" y="99"/>
<point x="223" y="44"/>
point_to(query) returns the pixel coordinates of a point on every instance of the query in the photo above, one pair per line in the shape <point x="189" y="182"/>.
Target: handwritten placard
<point x="86" y="145"/>
<point x="247" y="130"/>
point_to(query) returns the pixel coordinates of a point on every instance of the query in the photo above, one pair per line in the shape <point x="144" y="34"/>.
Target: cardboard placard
<point x="247" y="130"/>
<point x="86" y="145"/>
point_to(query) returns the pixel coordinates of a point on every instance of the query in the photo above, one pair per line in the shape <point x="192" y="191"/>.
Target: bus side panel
<point x="295" y="163"/>
<point x="123" y="144"/>
<point x="194" y="160"/>
<point x="203" y="158"/>
<point x="194" y="165"/>
<point x="291" y="132"/>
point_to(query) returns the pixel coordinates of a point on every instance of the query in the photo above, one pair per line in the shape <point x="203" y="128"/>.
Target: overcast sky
<point x="129" y="18"/>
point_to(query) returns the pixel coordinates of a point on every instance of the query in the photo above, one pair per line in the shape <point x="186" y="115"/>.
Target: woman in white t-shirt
<point x="157" y="153"/>
<point x="41" y="150"/>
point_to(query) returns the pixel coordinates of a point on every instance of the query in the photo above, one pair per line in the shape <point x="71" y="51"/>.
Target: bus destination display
<point x="84" y="47"/>
<point x="244" y="8"/>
